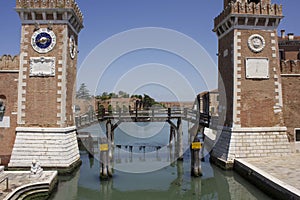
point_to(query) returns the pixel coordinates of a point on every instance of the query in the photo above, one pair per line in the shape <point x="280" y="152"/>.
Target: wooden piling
<point x="195" y="147"/>
<point x="179" y="152"/>
<point x="110" y="147"/>
<point x="172" y="135"/>
<point x="104" y="158"/>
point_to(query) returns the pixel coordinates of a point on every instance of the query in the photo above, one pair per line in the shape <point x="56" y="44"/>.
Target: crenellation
<point x="238" y="7"/>
<point x="51" y="4"/>
<point x="8" y="62"/>
<point x="290" y="66"/>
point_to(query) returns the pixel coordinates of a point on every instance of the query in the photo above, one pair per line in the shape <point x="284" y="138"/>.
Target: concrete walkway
<point x="23" y="182"/>
<point x="278" y="176"/>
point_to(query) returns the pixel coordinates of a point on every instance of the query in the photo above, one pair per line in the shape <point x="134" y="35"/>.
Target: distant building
<point x="289" y="50"/>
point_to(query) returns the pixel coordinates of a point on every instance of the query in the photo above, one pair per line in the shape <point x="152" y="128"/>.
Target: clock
<point x="72" y="47"/>
<point x="43" y="40"/>
<point x="256" y="43"/>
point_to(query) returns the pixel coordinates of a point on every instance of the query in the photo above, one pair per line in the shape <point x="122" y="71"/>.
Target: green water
<point x="173" y="181"/>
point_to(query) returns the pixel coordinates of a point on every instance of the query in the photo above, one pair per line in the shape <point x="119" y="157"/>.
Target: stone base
<point x="51" y="147"/>
<point x="234" y="143"/>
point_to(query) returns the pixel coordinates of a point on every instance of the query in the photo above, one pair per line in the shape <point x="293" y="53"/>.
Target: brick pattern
<point x="261" y="99"/>
<point x="52" y="148"/>
<point x="226" y="78"/>
<point x="250" y="142"/>
<point x="8" y="93"/>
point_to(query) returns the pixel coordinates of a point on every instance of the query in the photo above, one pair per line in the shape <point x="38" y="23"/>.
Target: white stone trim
<point x="46" y="130"/>
<point x="260" y="129"/>
<point x="64" y="75"/>
<point x="287" y="75"/>
<point x="20" y="90"/>
<point x="236" y="76"/>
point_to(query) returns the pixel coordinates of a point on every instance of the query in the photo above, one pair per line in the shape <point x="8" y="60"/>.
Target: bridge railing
<point x="155" y="114"/>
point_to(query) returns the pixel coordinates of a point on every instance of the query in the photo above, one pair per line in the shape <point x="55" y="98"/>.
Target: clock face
<point x="72" y="47"/>
<point x="43" y="40"/>
<point x="256" y="43"/>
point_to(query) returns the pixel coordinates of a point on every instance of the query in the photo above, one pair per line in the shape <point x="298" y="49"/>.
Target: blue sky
<point x="105" y="18"/>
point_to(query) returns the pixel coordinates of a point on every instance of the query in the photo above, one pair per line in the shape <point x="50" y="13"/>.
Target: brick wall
<point x="9" y="94"/>
<point x="260" y="96"/>
<point x="40" y="100"/>
<point x="226" y="78"/>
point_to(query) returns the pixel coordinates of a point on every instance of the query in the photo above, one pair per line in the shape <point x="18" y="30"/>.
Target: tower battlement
<point x="244" y="8"/>
<point x="290" y="66"/>
<point x="249" y="8"/>
<point x="56" y="11"/>
<point x="8" y="62"/>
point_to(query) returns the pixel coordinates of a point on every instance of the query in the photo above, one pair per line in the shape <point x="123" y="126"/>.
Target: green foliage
<point x="110" y="109"/>
<point x="100" y="110"/>
<point x="83" y="92"/>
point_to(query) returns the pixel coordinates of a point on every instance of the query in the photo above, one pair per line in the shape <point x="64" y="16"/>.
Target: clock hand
<point x="43" y="40"/>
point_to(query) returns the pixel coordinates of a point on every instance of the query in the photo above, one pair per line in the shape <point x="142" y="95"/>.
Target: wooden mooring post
<point x="104" y="159"/>
<point x="195" y="147"/>
<point x="179" y="141"/>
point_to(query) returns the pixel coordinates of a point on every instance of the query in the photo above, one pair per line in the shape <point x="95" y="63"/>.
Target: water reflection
<point x="172" y="182"/>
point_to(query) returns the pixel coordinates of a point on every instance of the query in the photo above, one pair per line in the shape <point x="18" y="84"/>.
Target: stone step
<point x="50" y="149"/>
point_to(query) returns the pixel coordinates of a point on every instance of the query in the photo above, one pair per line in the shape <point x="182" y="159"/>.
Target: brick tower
<point x="249" y="82"/>
<point x="45" y="123"/>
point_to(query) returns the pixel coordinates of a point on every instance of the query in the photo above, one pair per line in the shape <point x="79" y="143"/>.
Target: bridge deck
<point x="160" y="115"/>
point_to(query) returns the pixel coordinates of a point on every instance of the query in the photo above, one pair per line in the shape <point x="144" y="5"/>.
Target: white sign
<point x="257" y="68"/>
<point x="5" y="123"/>
<point x="42" y="66"/>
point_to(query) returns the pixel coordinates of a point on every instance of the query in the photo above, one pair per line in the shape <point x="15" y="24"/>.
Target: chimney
<point x="291" y="36"/>
<point x="282" y="34"/>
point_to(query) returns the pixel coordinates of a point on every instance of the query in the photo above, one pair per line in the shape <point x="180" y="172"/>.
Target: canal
<point x="149" y="172"/>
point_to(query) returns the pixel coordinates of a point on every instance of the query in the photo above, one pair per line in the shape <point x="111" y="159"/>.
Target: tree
<point x="83" y="92"/>
<point x="148" y="101"/>
<point x="110" y="109"/>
